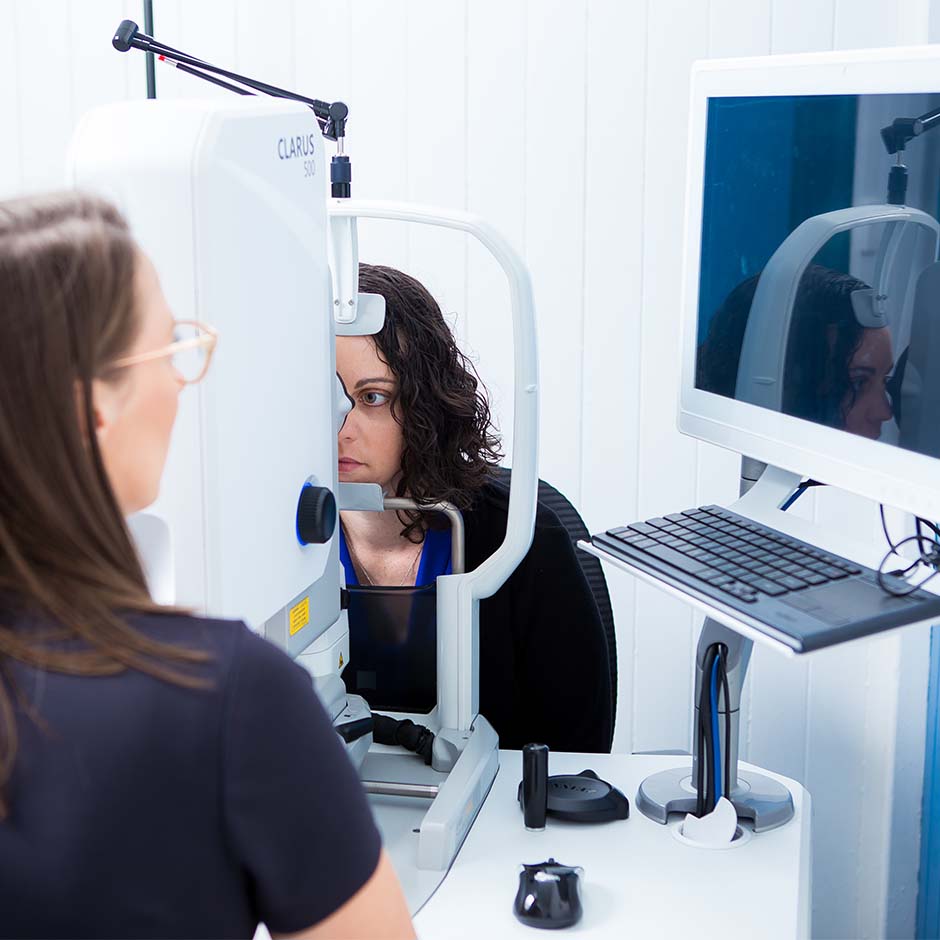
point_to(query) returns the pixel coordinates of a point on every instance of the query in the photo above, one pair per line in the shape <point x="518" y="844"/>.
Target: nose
<point x="882" y="411"/>
<point x="350" y="429"/>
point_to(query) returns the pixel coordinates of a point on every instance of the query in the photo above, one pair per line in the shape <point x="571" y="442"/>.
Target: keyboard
<point x="787" y="589"/>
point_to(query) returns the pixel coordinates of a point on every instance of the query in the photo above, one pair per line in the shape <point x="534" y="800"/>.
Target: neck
<point x="375" y="531"/>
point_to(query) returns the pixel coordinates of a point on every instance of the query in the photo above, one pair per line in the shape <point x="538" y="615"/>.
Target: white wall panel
<point x="677" y="34"/>
<point x="496" y="163"/>
<point x="45" y="79"/>
<point x="554" y="193"/>
<point x="802" y="25"/>
<point x="613" y="290"/>
<point x="379" y="102"/>
<point x="11" y="101"/>
<point x="436" y="56"/>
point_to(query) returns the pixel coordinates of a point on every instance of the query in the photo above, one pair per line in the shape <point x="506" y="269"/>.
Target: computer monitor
<point x="811" y="310"/>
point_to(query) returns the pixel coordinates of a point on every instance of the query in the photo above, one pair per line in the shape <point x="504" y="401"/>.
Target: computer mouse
<point x="549" y="895"/>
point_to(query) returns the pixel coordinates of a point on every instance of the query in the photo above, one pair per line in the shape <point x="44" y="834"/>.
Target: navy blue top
<point x="393" y="632"/>
<point x="144" y="809"/>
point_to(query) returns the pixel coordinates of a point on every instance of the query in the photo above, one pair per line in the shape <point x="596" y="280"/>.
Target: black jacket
<point x="544" y="674"/>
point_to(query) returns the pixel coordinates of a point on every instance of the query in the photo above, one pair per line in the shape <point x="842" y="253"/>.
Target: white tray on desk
<point x="639" y="880"/>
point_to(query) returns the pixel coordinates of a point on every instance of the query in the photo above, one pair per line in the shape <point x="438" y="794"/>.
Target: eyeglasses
<point x="190" y="352"/>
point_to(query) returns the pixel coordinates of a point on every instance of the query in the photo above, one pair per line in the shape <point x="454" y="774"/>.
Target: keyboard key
<point x="791" y="583"/>
<point x="768" y="587"/>
<point x="676" y="559"/>
<point x="659" y="523"/>
<point x="831" y="572"/>
<point x="815" y="579"/>
<point x="675" y="517"/>
<point x="617" y="531"/>
<point x="643" y="528"/>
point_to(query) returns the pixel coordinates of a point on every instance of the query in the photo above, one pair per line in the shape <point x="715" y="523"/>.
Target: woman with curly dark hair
<point x="421" y="427"/>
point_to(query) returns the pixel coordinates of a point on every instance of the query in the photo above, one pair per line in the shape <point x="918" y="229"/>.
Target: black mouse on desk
<point x="549" y="895"/>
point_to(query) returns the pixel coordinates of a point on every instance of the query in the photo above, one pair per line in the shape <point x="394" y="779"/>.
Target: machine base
<point x="757" y="798"/>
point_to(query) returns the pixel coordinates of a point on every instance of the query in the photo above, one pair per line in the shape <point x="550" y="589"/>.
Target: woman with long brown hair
<point x="160" y="774"/>
<point x="421" y="428"/>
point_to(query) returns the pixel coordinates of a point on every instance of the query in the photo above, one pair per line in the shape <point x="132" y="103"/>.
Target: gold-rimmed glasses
<point x="190" y="352"/>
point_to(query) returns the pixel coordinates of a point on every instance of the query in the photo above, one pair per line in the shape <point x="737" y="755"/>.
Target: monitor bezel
<point x="878" y="471"/>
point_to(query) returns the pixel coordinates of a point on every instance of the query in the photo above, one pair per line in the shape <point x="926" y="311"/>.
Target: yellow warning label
<point x="299" y="616"/>
<point x="341" y="660"/>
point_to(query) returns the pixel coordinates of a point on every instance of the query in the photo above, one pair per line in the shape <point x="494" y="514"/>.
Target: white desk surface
<point x="639" y="880"/>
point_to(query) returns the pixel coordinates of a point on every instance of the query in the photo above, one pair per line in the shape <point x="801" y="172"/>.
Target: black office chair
<point x="569" y="517"/>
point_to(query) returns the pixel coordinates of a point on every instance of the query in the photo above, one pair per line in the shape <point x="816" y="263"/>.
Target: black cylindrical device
<point x="534" y="785"/>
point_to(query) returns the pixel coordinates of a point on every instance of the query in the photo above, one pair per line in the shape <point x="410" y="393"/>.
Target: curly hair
<point x="450" y="445"/>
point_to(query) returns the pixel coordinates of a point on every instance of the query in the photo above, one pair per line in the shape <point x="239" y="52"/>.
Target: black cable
<point x="884" y="526"/>
<point x="209" y="78"/>
<point x="412" y="737"/>
<point x="723" y="675"/>
<point x="700" y="771"/>
<point x="707" y="754"/>
<point x="930" y="557"/>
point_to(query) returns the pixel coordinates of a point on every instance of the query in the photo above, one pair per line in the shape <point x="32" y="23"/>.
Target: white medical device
<point x="228" y="200"/>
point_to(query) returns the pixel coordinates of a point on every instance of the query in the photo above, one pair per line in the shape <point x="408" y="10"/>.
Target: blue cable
<point x="793" y="498"/>
<point x="715" y="738"/>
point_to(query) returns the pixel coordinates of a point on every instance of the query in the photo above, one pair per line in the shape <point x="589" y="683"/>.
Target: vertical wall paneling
<point x="264" y="46"/>
<point x="11" y="98"/>
<point x="45" y="81"/>
<point x="613" y="288"/>
<point x="495" y="186"/>
<point x="206" y="30"/>
<point x="554" y="188"/>
<point x="322" y="39"/>
<point x="436" y="56"/>
<point x="802" y="25"/>
<point x="861" y="23"/>
<point x="677" y="34"/>
<point x="379" y="99"/>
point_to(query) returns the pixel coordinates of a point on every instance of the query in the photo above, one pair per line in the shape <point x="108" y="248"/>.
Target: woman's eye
<point x="374" y="398"/>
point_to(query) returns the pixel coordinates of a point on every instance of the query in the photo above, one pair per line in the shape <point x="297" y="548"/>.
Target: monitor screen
<point x="819" y="289"/>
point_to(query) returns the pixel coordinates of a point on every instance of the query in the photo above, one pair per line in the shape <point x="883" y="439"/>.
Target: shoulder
<point x="486" y="525"/>
<point x="491" y="507"/>
<point x="233" y="651"/>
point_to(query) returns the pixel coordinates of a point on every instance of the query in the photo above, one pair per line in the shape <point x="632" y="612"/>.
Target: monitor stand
<point x="755" y="796"/>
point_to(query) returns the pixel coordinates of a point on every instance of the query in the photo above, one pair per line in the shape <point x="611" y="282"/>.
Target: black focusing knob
<point x="316" y="515"/>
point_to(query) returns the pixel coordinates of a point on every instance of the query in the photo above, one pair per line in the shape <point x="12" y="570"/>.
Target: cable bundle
<point x="714" y="683"/>
<point x="928" y="547"/>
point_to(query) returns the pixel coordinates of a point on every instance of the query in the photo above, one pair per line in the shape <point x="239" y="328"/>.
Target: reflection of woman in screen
<point x="836" y="369"/>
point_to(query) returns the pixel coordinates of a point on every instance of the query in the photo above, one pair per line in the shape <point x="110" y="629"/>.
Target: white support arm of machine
<point x="459" y="594"/>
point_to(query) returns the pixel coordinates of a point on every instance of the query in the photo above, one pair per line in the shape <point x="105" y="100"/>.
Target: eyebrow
<point x="362" y="382"/>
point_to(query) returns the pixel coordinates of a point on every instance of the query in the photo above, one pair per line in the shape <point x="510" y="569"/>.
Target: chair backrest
<point x="571" y="519"/>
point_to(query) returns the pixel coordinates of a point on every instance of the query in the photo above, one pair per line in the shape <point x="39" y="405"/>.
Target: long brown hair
<point x="67" y="310"/>
<point x="450" y="445"/>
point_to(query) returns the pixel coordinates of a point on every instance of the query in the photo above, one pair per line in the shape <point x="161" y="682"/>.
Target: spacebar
<point x="676" y="559"/>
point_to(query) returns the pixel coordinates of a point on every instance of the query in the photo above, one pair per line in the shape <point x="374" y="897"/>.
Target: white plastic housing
<point x="235" y="223"/>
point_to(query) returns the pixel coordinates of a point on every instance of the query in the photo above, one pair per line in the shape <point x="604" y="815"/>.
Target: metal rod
<point x="151" y="73"/>
<point x="423" y="791"/>
<point x="458" y="559"/>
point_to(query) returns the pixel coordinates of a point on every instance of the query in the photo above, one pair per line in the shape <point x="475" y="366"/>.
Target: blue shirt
<point x="393" y="632"/>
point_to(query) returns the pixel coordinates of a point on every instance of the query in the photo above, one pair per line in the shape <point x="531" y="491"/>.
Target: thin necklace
<point x="370" y="582"/>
